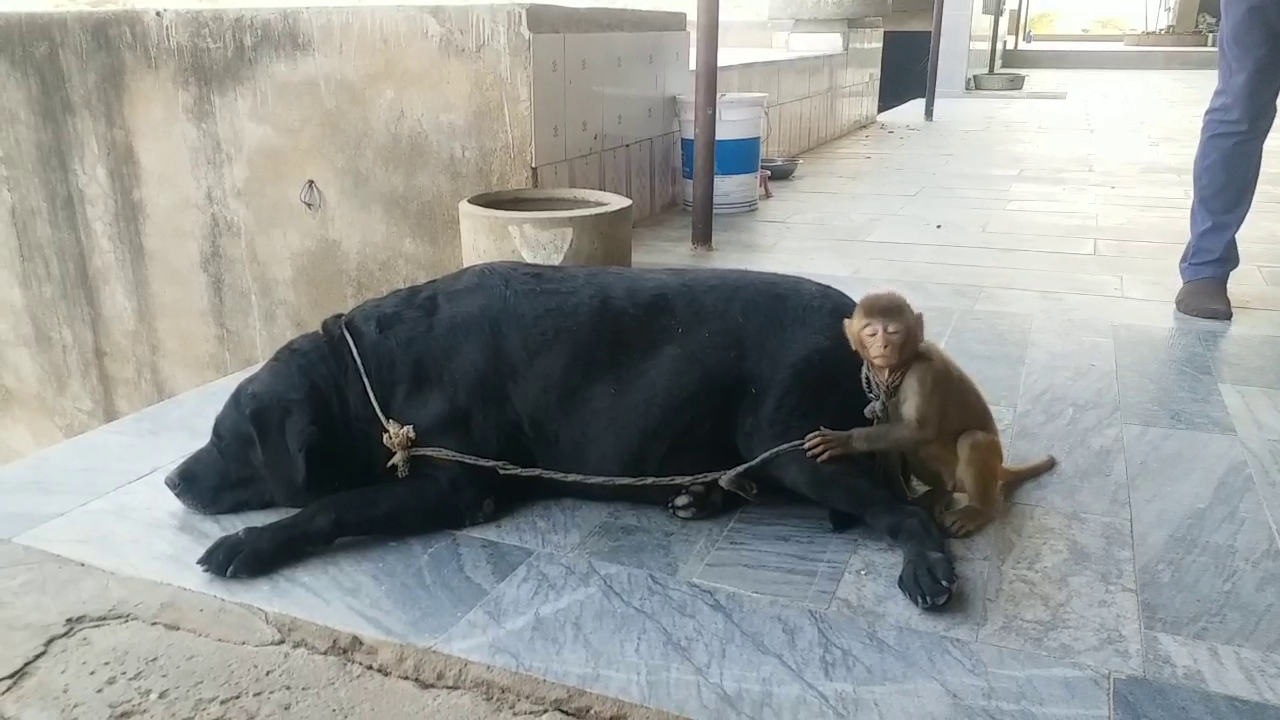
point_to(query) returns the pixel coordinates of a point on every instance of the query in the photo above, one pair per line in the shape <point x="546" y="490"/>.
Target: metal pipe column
<point x="931" y="79"/>
<point x="704" y="122"/>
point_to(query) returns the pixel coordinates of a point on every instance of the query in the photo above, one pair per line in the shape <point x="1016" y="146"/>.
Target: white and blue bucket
<point x="740" y="119"/>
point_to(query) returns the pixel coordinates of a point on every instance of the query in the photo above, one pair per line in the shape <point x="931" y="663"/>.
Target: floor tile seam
<point x="1184" y="532"/>
<point x="1176" y="429"/>
<point x="1215" y="643"/>
<point x="693" y="577"/>
<point x="435" y="644"/>
<point x="1085" y="665"/>
<point x="941" y="243"/>
<point x="1157" y="618"/>
<point x="1133" y="548"/>
<point x="833" y="546"/>
<point x="1273" y="517"/>
<point x="88" y="501"/>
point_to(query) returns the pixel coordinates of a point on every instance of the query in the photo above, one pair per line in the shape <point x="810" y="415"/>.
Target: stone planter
<point x="999" y="81"/>
<point x="548" y="226"/>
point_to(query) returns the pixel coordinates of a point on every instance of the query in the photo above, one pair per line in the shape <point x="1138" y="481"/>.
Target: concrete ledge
<point x="1192" y="59"/>
<point x="558" y="19"/>
<point x="827" y="9"/>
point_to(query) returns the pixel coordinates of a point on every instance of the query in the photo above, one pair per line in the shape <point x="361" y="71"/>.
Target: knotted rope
<point x="880" y="392"/>
<point x="399" y="439"/>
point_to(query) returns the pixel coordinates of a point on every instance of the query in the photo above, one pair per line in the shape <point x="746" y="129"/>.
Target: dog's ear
<point x="284" y="434"/>
<point x="331" y="327"/>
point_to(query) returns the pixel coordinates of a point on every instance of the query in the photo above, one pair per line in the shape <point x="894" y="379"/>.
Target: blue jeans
<point x="1235" y="127"/>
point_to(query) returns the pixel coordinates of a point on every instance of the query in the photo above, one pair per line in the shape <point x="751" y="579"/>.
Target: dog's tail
<point x="1013" y="476"/>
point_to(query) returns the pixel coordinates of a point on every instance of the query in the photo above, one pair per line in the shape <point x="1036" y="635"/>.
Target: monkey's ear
<point x="851" y="334"/>
<point x="920" y="325"/>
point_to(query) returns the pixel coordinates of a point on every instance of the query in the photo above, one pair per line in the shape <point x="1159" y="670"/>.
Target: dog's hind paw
<point x="697" y="501"/>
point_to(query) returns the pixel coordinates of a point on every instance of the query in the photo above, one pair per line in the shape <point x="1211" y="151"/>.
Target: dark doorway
<point x="904" y="65"/>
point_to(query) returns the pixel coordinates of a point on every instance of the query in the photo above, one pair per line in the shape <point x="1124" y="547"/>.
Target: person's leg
<point x="1229" y="158"/>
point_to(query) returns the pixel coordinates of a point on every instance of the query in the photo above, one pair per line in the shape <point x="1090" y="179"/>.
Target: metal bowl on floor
<point x="780" y="168"/>
<point x="999" y="81"/>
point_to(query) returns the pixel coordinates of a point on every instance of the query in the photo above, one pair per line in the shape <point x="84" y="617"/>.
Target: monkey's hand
<point x="825" y="444"/>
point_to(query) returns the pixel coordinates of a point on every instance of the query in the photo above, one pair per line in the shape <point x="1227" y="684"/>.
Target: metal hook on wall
<point x="311" y="197"/>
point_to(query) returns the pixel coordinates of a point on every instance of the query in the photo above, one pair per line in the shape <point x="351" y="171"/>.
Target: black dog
<point x="605" y="371"/>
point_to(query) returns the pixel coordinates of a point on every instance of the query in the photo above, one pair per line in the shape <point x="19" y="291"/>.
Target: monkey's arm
<point x="915" y="426"/>
<point x="891" y="436"/>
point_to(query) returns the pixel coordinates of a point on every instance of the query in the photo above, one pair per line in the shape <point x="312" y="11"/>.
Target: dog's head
<point x="258" y="454"/>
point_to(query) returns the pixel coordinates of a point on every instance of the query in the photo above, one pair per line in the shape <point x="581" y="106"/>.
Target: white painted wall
<point x="965" y="45"/>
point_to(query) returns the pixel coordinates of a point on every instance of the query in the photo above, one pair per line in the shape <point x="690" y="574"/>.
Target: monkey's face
<point x="883" y="342"/>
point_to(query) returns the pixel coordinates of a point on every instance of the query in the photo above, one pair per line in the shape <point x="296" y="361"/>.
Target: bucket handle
<point x="768" y="125"/>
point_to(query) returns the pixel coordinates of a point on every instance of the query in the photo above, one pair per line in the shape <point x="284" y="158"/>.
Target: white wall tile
<point x="650" y="82"/>
<point x="585" y="172"/>
<point x="614" y="164"/>
<point x="583" y="56"/>
<point x="664" y="179"/>
<point x="793" y="79"/>
<point x="555" y="175"/>
<point x="616" y="49"/>
<point x="549" y="130"/>
<point x="640" y="167"/>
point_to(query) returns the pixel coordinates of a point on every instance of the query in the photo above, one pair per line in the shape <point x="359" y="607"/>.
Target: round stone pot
<point x="999" y="81"/>
<point x="548" y="226"/>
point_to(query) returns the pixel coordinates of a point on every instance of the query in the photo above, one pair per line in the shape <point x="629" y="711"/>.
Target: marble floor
<point x="1040" y="237"/>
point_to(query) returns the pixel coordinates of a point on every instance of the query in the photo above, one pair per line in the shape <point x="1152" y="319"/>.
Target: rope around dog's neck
<point x="880" y="392"/>
<point x="399" y="439"/>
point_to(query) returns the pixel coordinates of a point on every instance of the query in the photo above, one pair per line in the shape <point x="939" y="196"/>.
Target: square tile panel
<point x="549" y="131"/>
<point x="584" y="59"/>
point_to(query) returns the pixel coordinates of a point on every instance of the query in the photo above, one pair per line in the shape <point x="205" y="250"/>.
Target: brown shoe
<point x="1205" y="298"/>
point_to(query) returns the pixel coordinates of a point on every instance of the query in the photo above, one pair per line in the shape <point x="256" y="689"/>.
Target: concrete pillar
<point x="1184" y="15"/>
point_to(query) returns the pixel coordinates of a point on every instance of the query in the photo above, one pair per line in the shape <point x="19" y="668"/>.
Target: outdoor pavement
<point x="1040" y="238"/>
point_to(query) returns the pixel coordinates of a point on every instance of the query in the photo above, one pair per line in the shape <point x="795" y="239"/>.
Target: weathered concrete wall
<point x="151" y="232"/>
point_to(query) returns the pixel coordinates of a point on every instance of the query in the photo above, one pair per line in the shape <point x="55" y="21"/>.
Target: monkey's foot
<point x="697" y="501"/>
<point x="964" y="521"/>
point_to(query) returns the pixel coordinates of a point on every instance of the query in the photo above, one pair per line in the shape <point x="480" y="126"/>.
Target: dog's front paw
<point x="247" y="553"/>
<point x="928" y="579"/>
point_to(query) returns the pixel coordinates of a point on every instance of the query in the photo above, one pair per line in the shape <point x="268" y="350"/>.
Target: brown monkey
<point x="925" y="406"/>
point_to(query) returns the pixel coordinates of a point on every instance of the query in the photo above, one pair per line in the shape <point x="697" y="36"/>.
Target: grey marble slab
<point x="1208" y="562"/>
<point x="650" y="538"/>
<point x="57" y="479"/>
<point x="1166" y="380"/>
<point x="1221" y="668"/>
<point x="1239" y="359"/>
<point x="992" y="347"/>
<point x="1063" y="584"/>
<point x="1122" y="310"/>
<point x="559" y="524"/>
<point x="710" y="653"/>
<point x="1256" y="414"/>
<point x="785" y="551"/>
<point x="1069" y="406"/>
<point x="935" y="299"/>
<point x="869" y="588"/>
<point x="408" y="590"/>
<point x="1137" y="698"/>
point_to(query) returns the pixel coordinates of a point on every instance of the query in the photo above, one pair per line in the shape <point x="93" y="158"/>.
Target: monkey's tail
<point x="1012" y="477"/>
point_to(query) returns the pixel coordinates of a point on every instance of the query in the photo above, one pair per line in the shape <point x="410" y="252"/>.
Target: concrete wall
<point x="152" y="234"/>
<point x="966" y="44"/>
<point x="815" y="99"/>
<point x="151" y="162"/>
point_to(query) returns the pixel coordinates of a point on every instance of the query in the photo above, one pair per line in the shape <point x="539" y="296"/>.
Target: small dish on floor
<point x="780" y="168"/>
